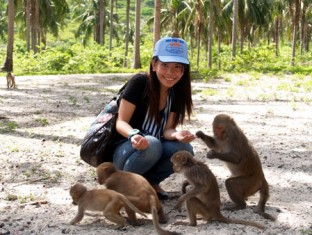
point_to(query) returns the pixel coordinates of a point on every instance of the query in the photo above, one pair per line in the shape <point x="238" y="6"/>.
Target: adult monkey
<point x="139" y="192"/>
<point x="204" y="197"/>
<point x="232" y="146"/>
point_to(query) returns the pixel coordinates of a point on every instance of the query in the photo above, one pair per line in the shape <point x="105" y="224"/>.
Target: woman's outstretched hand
<point x="185" y="136"/>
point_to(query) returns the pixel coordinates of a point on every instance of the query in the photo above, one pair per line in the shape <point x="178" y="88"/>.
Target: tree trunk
<point x="8" y="63"/>
<point x="111" y="26"/>
<point x="127" y="34"/>
<point x="303" y="28"/>
<point x="276" y="21"/>
<point x="28" y="23"/>
<point x="198" y="27"/>
<point x="234" y="29"/>
<point x="35" y="25"/>
<point x="295" y="30"/>
<point x="137" y="59"/>
<point x="102" y="20"/>
<point x="242" y="38"/>
<point x="157" y="21"/>
<point x="219" y="49"/>
<point x="210" y="35"/>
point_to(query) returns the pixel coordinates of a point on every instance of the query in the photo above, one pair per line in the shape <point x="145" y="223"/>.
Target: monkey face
<point x="223" y="125"/>
<point x="176" y="168"/>
<point x="179" y="159"/>
<point x="218" y="131"/>
<point x="76" y="192"/>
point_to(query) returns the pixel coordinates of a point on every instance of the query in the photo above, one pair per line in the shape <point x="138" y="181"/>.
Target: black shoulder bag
<point x="97" y="144"/>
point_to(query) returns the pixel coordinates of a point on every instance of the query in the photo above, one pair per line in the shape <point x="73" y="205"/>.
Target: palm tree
<point x="211" y="6"/>
<point x="277" y="15"/>
<point x="3" y="20"/>
<point x="174" y="17"/>
<point x="102" y="21"/>
<point x="137" y="59"/>
<point x="306" y="12"/>
<point x="40" y="18"/>
<point x="295" y="30"/>
<point x="234" y="29"/>
<point x="251" y="16"/>
<point x="111" y="27"/>
<point x="8" y="63"/>
<point x="127" y="34"/>
<point x="28" y="24"/>
<point x="35" y="25"/>
<point x="198" y="23"/>
<point x="157" y="20"/>
<point x="83" y="12"/>
<point x="52" y="16"/>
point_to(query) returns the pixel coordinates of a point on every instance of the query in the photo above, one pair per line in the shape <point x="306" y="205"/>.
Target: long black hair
<point x="182" y="95"/>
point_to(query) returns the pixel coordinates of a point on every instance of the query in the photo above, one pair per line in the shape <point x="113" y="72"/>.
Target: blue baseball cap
<point x="171" y="50"/>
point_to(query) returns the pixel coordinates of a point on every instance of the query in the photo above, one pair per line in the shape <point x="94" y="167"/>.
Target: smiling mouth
<point x="170" y="79"/>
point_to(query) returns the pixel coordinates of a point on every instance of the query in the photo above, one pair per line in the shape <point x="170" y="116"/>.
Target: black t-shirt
<point x="135" y="93"/>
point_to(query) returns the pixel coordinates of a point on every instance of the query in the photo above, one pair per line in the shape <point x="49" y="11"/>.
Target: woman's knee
<point x="142" y="161"/>
<point x="155" y="146"/>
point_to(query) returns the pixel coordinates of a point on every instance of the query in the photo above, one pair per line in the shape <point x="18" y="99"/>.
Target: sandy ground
<point x="43" y="122"/>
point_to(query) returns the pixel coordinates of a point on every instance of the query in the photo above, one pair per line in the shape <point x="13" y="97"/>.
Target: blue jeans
<point x="152" y="163"/>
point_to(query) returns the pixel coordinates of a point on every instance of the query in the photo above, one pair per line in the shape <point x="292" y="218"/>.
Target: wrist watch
<point x="133" y="132"/>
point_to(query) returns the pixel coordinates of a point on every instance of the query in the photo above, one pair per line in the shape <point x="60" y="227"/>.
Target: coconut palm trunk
<point x="8" y="63"/>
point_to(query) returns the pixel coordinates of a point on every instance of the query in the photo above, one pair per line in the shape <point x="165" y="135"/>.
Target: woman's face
<point x="168" y="74"/>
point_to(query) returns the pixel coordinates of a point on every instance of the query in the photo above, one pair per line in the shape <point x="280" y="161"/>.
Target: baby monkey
<point x="10" y="80"/>
<point x="106" y="200"/>
<point x="204" y="197"/>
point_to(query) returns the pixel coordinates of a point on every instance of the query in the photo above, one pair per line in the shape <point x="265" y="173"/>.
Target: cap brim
<point x="174" y="59"/>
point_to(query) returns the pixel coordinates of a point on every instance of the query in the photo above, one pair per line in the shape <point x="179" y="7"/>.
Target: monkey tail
<point x="264" y="196"/>
<point x="244" y="222"/>
<point x="157" y="227"/>
<point x="126" y="201"/>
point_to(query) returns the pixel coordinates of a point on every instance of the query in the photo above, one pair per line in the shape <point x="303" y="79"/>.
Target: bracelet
<point x="133" y="132"/>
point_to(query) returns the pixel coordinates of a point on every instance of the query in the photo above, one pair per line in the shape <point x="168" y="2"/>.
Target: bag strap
<point x="117" y="96"/>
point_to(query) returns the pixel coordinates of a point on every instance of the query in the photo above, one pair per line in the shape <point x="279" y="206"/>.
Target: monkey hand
<point x="184" y="185"/>
<point x="200" y="134"/>
<point x="212" y="154"/>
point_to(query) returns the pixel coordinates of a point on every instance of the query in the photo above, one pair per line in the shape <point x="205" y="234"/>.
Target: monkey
<point x="231" y="145"/>
<point x="10" y="80"/>
<point x="106" y="200"/>
<point x="204" y="197"/>
<point x="138" y="190"/>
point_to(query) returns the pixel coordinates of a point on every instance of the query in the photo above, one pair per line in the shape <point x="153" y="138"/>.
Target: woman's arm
<point x="126" y="110"/>
<point x="170" y="132"/>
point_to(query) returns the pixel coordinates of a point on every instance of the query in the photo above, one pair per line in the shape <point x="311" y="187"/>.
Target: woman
<point x="151" y="108"/>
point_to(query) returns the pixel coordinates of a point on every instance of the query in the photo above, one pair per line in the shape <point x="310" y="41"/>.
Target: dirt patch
<point x="43" y="122"/>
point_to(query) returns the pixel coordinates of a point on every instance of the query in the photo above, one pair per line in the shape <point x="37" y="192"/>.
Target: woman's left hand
<point x="185" y="136"/>
<point x="139" y="142"/>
